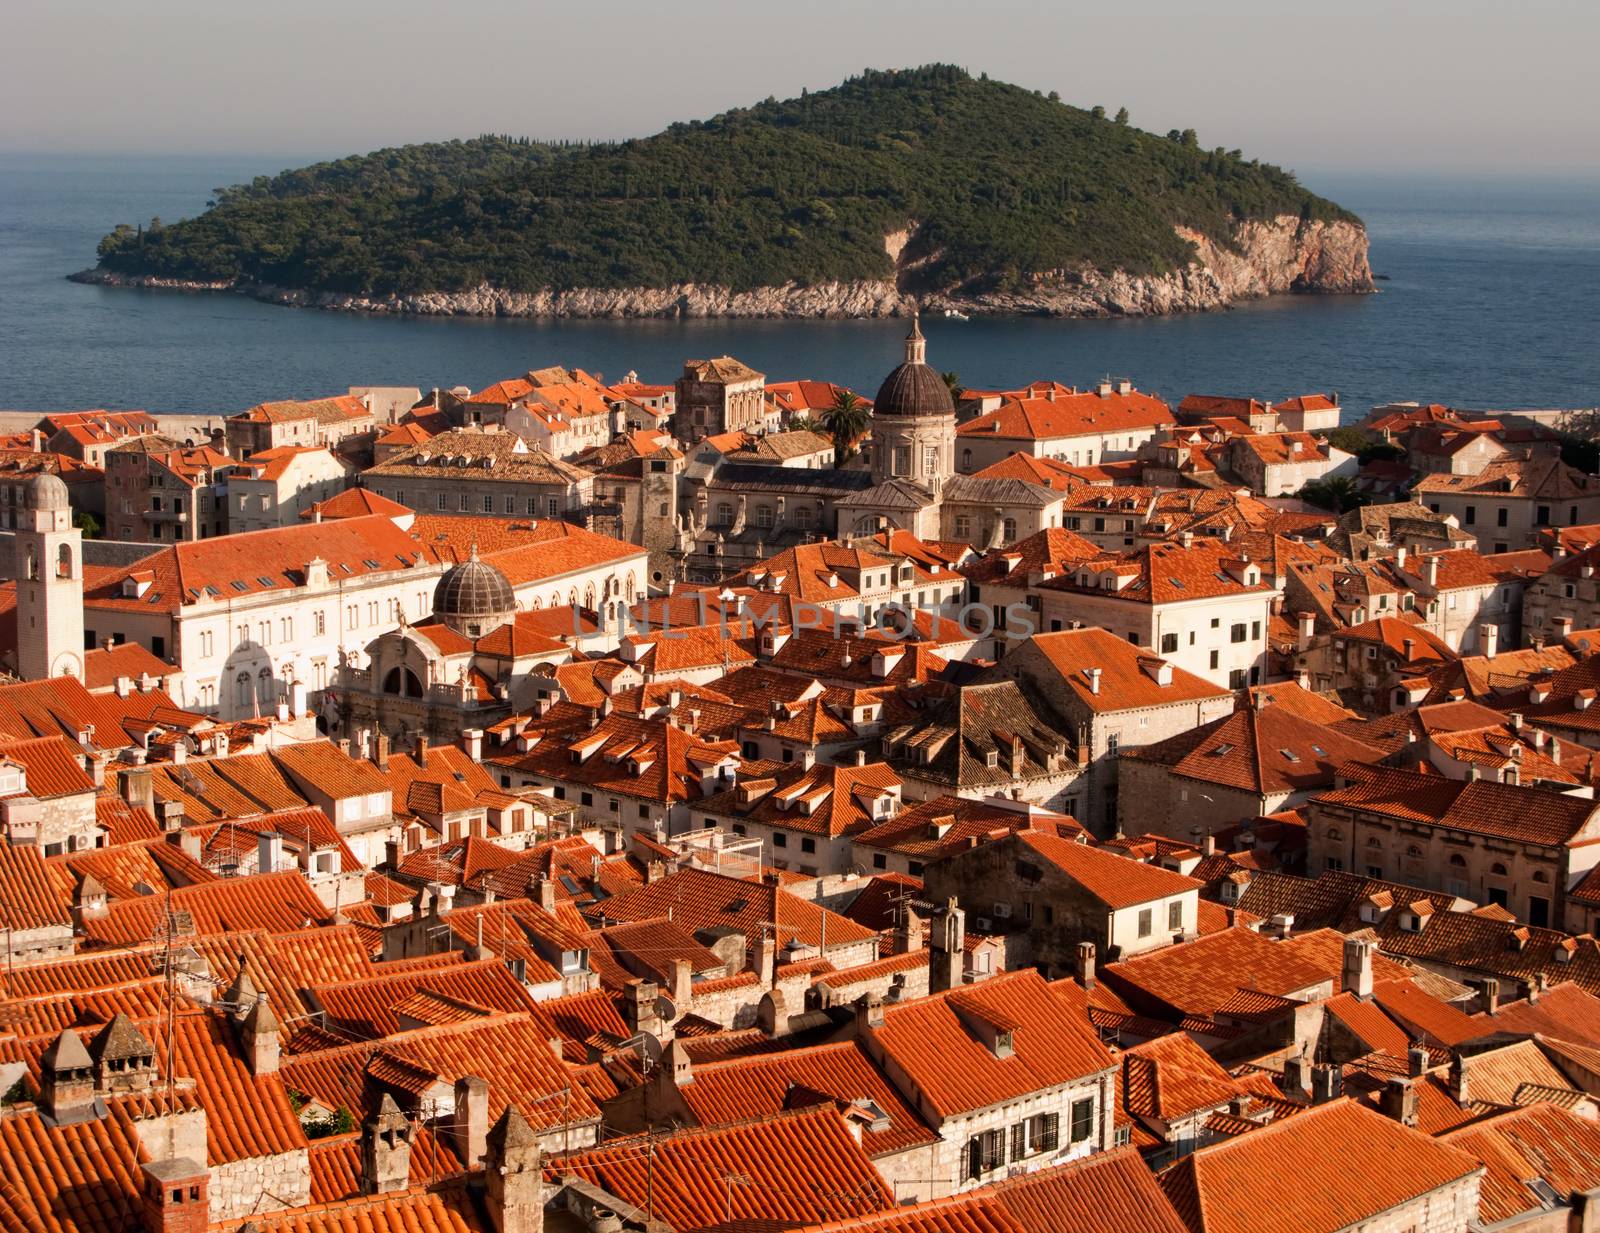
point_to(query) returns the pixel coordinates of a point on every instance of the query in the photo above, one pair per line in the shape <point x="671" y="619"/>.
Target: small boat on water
<point x="955" y="314"/>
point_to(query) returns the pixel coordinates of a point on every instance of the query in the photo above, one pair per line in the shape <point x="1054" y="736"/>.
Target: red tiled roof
<point x="1125" y="681"/>
<point x="1114" y="880"/>
<point x="800" y="1168"/>
<point x="1543" y="1142"/>
<point x="1325" y="1169"/>
<point x="1200" y="976"/>
<point x="954" y="1072"/>
<point x="1070" y="415"/>
<point x="275" y="902"/>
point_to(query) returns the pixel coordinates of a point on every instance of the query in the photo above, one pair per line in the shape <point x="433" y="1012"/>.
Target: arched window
<point x="1335" y="833"/>
<point x="1539" y="875"/>
<point x="1458" y="861"/>
<point x="1414" y="852"/>
<point x="241" y="684"/>
<point x="64" y="561"/>
<point x="402" y="681"/>
<point x="588" y="597"/>
<point x="266" y="689"/>
<point x="966" y="460"/>
<point x="1374" y="842"/>
<point x="1497" y="870"/>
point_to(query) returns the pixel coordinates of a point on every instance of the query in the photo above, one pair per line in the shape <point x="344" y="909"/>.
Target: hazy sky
<point x="1419" y="86"/>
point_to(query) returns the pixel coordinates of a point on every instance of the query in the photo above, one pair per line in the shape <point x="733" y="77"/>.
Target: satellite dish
<point x="665" y="1010"/>
<point x="649" y="1048"/>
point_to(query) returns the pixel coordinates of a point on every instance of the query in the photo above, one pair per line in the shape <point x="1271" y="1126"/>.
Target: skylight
<point x="1290" y="755"/>
<point x="240" y="586"/>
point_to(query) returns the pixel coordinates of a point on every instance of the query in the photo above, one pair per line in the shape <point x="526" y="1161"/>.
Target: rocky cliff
<point x="1267" y="258"/>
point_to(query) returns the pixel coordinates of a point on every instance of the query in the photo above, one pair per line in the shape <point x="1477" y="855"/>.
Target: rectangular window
<point x="880" y="860"/>
<point x="1082" y="1119"/>
<point x="441" y="501"/>
<point x="1237" y="633"/>
<point x="1175" y="916"/>
<point x="1472" y="515"/>
<point x="1146" y="922"/>
<point x="552" y="507"/>
<point x="1169" y="643"/>
<point x="588" y="798"/>
<point x="780" y="839"/>
<point x="1044" y="1132"/>
<point x="464" y="503"/>
<point x="1215" y="659"/>
<point x="807" y="844"/>
<point x="488" y="502"/>
<point x="1019" y="1140"/>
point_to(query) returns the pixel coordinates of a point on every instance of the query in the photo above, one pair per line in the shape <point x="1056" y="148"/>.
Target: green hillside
<point x="1004" y="183"/>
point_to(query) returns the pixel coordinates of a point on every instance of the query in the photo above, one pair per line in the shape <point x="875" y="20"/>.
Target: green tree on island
<point x="845" y="421"/>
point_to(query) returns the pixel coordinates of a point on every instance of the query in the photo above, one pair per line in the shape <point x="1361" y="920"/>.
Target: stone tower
<point x="514" y="1175"/>
<point x="914" y="421"/>
<point x="49" y="573"/>
<point x="947" y="950"/>
<point x="660" y="532"/>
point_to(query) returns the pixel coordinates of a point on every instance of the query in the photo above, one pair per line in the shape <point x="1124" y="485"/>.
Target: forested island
<point x="926" y="182"/>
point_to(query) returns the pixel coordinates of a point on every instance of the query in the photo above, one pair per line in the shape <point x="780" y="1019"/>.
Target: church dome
<point x="914" y="389"/>
<point x="474" y="597"/>
<point x="46" y="492"/>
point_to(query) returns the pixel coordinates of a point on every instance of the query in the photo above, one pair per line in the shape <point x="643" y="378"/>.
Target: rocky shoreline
<point x="1273" y="257"/>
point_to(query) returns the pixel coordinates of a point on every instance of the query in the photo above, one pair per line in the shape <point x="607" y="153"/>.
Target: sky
<point x="1476" y="87"/>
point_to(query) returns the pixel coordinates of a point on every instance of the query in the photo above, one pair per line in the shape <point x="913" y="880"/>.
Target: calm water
<point x="1491" y="301"/>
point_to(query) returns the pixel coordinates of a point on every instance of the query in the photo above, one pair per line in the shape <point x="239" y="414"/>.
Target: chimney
<point x="380" y="752"/>
<point x="1491" y="996"/>
<point x="269" y="852"/>
<point x="1307" y="630"/>
<point x="1398" y="1100"/>
<point x="1094" y="680"/>
<point x="470" y="1123"/>
<point x="514" y="1176"/>
<point x="1430" y="571"/>
<point x="947" y="958"/>
<point x="1416" y="1061"/>
<point x="386" y="1150"/>
<point x="66" y="1081"/>
<point x="907" y="933"/>
<point x="1208" y="846"/>
<point x="639" y="1007"/>
<point x="1327" y="1083"/>
<point x="1186" y="539"/>
<point x="547" y="894"/>
<point x="174" y="1196"/>
<point x="869" y="1013"/>
<point x="472" y="742"/>
<point x="1297" y="1077"/>
<point x="1357" y="975"/>
<point x="1488" y="640"/>
<point x="1085" y="972"/>
<point x="772" y="1013"/>
<point x="1563" y="627"/>
<point x="1410" y="645"/>
<point x="259" y="1036"/>
<point x="1458" y="1080"/>
<point x="138" y="788"/>
<point x="682" y="983"/>
<point x="766" y="963"/>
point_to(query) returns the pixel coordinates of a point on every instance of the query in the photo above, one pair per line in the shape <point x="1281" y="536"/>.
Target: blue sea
<point x="1489" y="301"/>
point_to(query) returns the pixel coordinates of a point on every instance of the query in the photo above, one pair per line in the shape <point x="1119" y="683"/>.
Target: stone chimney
<point x="1488" y="640"/>
<point x="772" y="1013"/>
<point x="869" y="1013"/>
<point x="1491" y="996"/>
<point x="1297" y="1077"/>
<point x="514" y="1176"/>
<point x="66" y="1081"/>
<point x="470" y="1124"/>
<point x="1085" y="972"/>
<point x="260" y="1037"/>
<point x="908" y="933"/>
<point x="1416" y="1061"/>
<point x="175" y="1196"/>
<point x="472" y="742"/>
<point x="1398" y="1100"/>
<point x="639" y="1007"/>
<point x="766" y="963"/>
<point x="386" y="1150"/>
<point x="1307" y="630"/>
<point x="1458" y="1080"/>
<point x="947" y="957"/>
<point x="380" y="752"/>
<point x="123" y="1057"/>
<point x="1357" y="974"/>
<point x="682" y="984"/>
<point x="1327" y="1083"/>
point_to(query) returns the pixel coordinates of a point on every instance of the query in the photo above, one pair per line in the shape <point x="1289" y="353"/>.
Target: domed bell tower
<point x="914" y="421"/>
<point x="49" y="573"/>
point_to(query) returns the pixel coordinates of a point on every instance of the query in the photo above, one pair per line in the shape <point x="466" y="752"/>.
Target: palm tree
<point x="846" y="420"/>
<point x="1338" y="493"/>
<point x="952" y="381"/>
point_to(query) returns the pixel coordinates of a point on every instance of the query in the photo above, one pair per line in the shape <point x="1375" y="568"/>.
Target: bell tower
<point x="49" y="573"/>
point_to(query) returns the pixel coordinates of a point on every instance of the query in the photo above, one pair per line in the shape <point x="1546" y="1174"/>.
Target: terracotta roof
<point x="1349" y="1165"/>
<point x="934" y="1042"/>
<point x="1265" y="750"/>
<point x="1070" y="415"/>
<point x="802" y="1168"/>
<point x="1127" y="674"/>
<point x="1172" y="1077"/>
<point x="1542" y="1142"/>
<point x="367" y="1006"/>
<point x="704" y="900"/>
<point x="1200" y="976"/>
<point x="29" y="897"/>
<point x="1114" y="880"/>
<point x="275" y="902"/>
<point x="837" y="1074"/>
